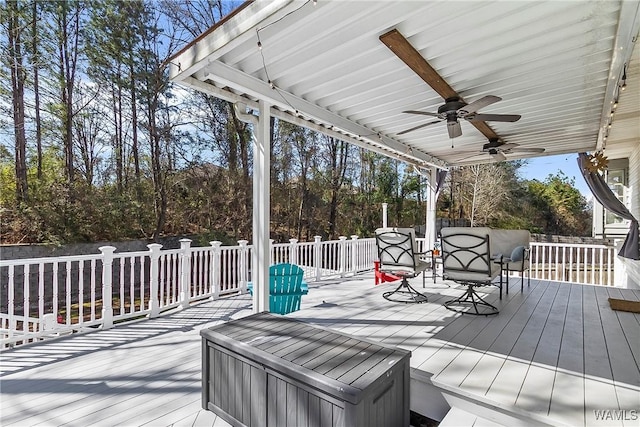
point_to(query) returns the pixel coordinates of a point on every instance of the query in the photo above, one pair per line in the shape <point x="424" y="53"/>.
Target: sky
<point x="540" y="167"/>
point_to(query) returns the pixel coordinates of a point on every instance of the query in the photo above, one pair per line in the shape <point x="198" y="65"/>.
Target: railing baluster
<point x="132" y="288"/>
<point x="93" y="290"/>
<point x="201" y="275"/>
<point x="11" y="285"/>
<point x="25" y="299"/>
<point x="162" y="264"/>
<point x="143" y="278"/>
<point x="80" y="292"/>
<point x="68" y="292"/>
<point x="122" y="300"/>
<point x="40" y="290"/>
<point x="578" y="265"/>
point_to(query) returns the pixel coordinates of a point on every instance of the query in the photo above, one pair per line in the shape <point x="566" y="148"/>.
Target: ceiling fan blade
<point x="419" y="127"/>
<point x="454" y="129"/>
<point x="474" y="155"/>
<point x="494" y="118"/>
<point x="477" y="105"/>
<point x="401" y="47"/>
<point x="410" y="56"/>
<point x="424" y="113"/>
<point x="507" y="147"/>
<point x="526" y="150"/>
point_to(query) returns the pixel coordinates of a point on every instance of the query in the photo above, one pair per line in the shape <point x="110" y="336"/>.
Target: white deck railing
<point x="575" y="263"/>
<point x="41" y="297"/>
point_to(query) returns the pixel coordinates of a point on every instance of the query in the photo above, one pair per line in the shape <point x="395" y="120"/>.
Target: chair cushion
<point x="517" y="254"/>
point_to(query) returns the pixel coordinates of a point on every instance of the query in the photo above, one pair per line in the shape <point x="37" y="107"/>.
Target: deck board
<point x="571" y="356"/>
<point x="595" y="350"/>
<point x="623" y="365"/>
<point x="555" y="351"/>
<point x="548" y="348"/>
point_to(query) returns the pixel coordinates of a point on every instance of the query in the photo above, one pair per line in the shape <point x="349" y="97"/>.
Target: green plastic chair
<point x="286" y="287"/>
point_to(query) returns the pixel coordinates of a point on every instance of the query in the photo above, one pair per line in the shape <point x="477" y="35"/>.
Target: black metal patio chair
<point x="466" y="259"/>
<point x="397" y="253"/>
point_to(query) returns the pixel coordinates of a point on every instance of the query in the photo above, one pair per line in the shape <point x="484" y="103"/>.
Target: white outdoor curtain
<point x="605" y="196"/>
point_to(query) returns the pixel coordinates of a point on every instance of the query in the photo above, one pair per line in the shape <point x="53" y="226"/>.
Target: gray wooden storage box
<point x="268" y="370"/>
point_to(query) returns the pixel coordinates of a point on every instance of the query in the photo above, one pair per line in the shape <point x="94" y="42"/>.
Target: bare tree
<point x="16" y="28"/>
<point x="338" y="161"/>
<point x="483" y="191"/>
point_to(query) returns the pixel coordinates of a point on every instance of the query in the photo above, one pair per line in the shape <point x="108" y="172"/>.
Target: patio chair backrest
<point x="397" y="249"/>
<point x="466" y="254"/>
<point x="286" y="287"/>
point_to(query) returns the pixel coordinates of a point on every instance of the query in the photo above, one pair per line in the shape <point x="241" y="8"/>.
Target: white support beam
<point x="364" y="142"/>
<point x="430" y="220"/>
<point x="261" y="210"/>
<point x="261" y="254"/>
<point x="226" y="76"/>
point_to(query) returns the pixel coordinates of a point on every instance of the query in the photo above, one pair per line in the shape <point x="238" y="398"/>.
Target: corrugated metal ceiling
<point x="555" y="63"/>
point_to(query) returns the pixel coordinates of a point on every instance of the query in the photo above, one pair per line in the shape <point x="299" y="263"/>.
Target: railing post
<point x="214" y="273"/>
<point x="107" y="286"/>
<point x="354" y="253"/>
<point x="317" y="256"/>
<point x="384" y="215"/>
<point x="293" y="251"/>
<point x="185" y="272"/>
<point x="244" y="265"/>
<point x="342" y="254"/>
<point x="273" y="257"/>
<point x="154" y="274"/>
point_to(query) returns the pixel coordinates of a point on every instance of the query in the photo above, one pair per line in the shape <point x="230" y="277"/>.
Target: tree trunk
<point x="17" y="84"/>
<point x="134" y="126"/>
<point x="36" y="86"/>
<point x="68" y="46"/>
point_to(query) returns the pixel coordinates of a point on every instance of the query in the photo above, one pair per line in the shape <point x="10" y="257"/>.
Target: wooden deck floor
<point x="555" y="354"/>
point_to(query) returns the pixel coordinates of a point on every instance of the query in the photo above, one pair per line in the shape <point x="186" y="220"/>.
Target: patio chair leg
<point x="408" y="296"/>
<point x="473" y="299"/>
<point x="507" y="279"/>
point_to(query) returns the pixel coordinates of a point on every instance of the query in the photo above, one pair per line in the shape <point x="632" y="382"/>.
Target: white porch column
<point x="261" y="209"/>
<point x="384" y="215"/>
<point x="430" y="214"/>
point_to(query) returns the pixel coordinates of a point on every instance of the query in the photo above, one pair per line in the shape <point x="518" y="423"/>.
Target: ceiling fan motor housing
<point x="451" y="107"/>
<point x="492" y="145"/>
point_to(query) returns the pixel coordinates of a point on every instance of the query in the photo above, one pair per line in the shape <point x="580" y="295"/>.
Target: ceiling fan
<point x="454" y="108"/>
<point x="499" y="150"/>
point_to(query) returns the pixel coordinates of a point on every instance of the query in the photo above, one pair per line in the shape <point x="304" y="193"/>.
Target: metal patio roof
<point x="558" y="64"/>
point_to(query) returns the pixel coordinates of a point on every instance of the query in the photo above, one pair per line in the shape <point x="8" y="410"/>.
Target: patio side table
<point x="269" y="370"/>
